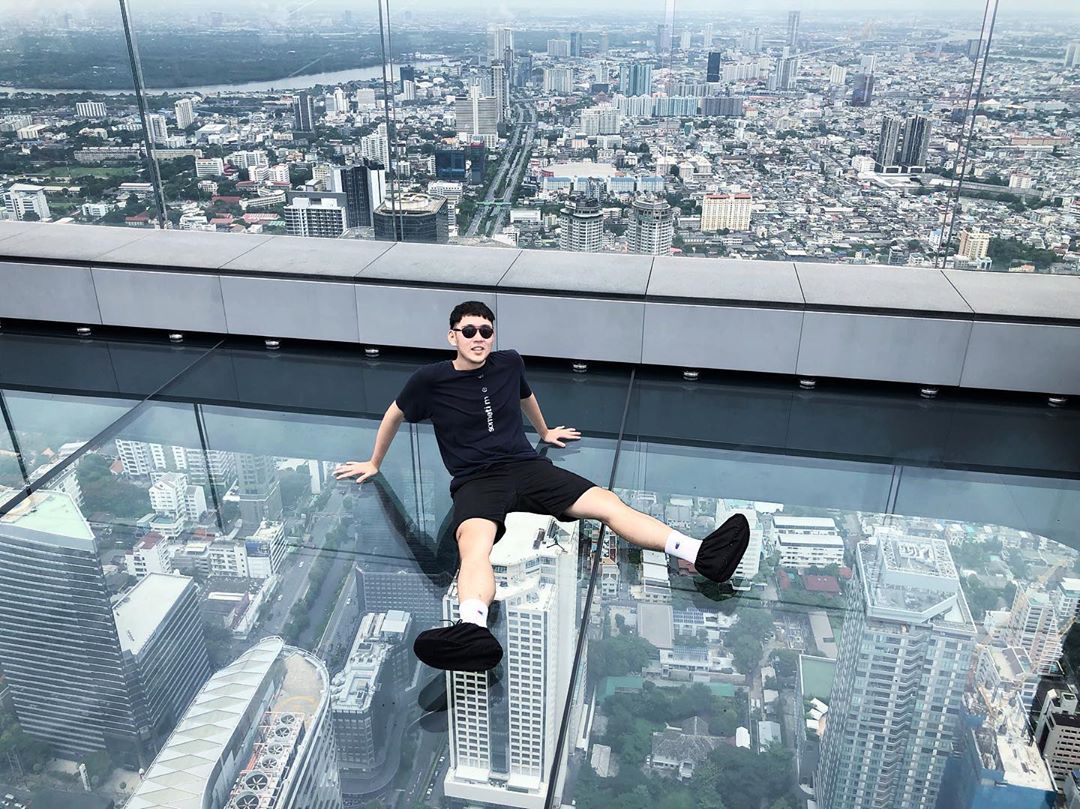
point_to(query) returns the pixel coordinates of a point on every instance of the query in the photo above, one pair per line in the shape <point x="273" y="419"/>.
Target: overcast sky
<point x="493" y="10"/>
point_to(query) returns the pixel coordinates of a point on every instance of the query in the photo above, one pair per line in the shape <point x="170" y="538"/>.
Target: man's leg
<point x="467" y="645"/>
<point x="715" y="557"/>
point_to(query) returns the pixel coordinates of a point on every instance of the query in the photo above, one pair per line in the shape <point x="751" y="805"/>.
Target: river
<point x="287" y="83"/>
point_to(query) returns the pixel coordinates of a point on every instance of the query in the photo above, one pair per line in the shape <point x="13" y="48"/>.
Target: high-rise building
<point x="314" y="213"/>
<point x="258" y="734"/>
<point x="90" y="109"/>
<point x="582" y="225"/>
<point x="904" y="657"/>
<point x="903" y="144"/>
<point x="500" y="38"/>
<point x="364" y="187"/>
<point x="504" y="730"/>
<point x="722" y="106"/>
<point x="413" y="218"/>
<point x="862" y="92"/>
<point x="477" y="114"/>
<point x="415" y="592"/>
<point x="684" y="40"/>
<point x="974" y="244"/>
<point x="652" y="226"/>
<point x="185" y="113"/>
<point x="365" y="694"/>
<point x="451" y="192"/>
<point x="500" y="85"/>
<point x="85" y="677"/>
<point x="707" y="35"/>
<point x="575" y="44"/>
<point x="523" y="67"/>
<point x="750" y="42"/>
<point x="159" y="129"/>
<point x="663" y="39"/>
<point x="21" y="199"/>
<point x="601" y="120"/>
<point x="602" y="46"/>
<point x="450" y="163"/>
<point x="558" y="80"/>
<point x="725" y="212"/>
<point x="258" y="488"/>
<point x="635" y="78"/>
<point x="376" y="146"/>
<point x="712" y="71"/>
<point x="1057" y="734"/>
<point x="1033" y="626"/>
<point x="304" y="114"/>
<point x="837" y="75"/>
<point x="1072" y="54"/>
<point x="785" y="71"/>
<point x="868" y="63"/>
<point x="558" y="48"/>
<point x="793" y="30"/>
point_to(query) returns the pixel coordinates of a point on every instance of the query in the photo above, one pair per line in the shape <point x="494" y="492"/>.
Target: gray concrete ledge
<point x="967" y="329"/>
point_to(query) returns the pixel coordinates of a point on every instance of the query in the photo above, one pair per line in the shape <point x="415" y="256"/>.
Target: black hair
<point x="476" y="308"/>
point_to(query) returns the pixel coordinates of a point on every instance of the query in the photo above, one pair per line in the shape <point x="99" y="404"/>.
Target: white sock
<point x="682" y="546"/>
<point x="474" y="611"/>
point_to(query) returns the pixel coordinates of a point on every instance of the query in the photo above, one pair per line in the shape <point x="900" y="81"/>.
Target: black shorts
<point x="535" y="485"/>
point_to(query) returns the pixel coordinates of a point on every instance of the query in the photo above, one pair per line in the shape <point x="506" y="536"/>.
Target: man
<point x="473" y="402"/>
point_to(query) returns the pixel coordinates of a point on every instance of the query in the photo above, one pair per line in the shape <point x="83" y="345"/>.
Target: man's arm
<point x="362" y="470"/>
<point x="532" y="410"/>
<point x="557" y="435"/>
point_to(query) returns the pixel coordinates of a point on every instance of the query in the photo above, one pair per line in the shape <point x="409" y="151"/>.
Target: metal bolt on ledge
<point x="580" y="367"/>
<point x="83" y="331"/>
<point x="176" y="337"/>
<point x="690" y="375"/>
<point x="1057" y="401"/>
<point x="928" y="393"/>
<point x="807" y="383"/>
<point x="272" y="344"/>
<point x="371" y="351"/>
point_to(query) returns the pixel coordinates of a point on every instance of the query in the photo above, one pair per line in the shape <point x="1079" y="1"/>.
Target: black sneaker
<point x="461" y="647"/>
<point x="723" y="549"/>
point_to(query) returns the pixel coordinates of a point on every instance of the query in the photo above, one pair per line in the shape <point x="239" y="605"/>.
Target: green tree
<point x="104" y="491"/>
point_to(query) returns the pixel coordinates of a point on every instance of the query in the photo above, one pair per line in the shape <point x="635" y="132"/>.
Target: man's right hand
<point x="365" y="470"/>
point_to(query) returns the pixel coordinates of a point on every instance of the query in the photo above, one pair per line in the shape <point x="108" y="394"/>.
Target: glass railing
<point x="803" y="135"/>
<point x="187" y="570"/>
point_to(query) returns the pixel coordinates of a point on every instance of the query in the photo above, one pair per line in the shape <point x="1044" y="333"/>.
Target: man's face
<point x="476" y="348"/>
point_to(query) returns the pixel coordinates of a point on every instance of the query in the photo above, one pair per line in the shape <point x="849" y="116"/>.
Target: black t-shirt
<point x="476" y="414"/>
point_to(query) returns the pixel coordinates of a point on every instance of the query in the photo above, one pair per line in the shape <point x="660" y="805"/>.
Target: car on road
<point x="348" y="602"/>
<point x="300" y="565"/>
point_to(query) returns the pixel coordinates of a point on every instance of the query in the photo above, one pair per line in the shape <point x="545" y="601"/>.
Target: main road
<point x="520" y="136"/>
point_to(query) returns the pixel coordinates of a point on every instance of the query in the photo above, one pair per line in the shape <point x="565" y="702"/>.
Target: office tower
<point x="21" y="199"/>
<point x="90" y="109"/>
<point x="1033" y="627"/>
<point x="264" y="550"/>
<point x="366" y="695"/>
<point x="558" y="80"/>
<point x="725" y="212"/>
<point x="83" y="676"/>
<point x="722" y="106"/>
<point x="602" y="47"/>
<point x="407" y="73"/>
<point x="663" y="39"/>
<point x="161" y="638"/>
<point x="415" y="592"/>
<point x="905" y="652"/>
<point x="258" y="734"/>
<point x="902" y="144"/>
<point x="785" y="70"/>
<point x="1072" y="54"/>
<point x="558" y="48"/>
<point x="523" y="67"/>
<point x="712" y="72"/>
<point x="974" y="244"/>
<point x="635" y="78"/>
<point x="364" y="187"/>
<point x="413" y="218"/>
<point x="476" y="160"/>
<point x="330" y="103"/>
<point x="863" y="90"/>
<point x="1057" y="734"/>
<point x="158" y="127"/>
<point x="450" y="163"/>
<point x="452" y="193"/>
<point x="504" y="729"/>
<point x="837" y="75"/>
<point x="707" y="35"/>
<point x="185" y="113"/>
<point x="582" y="225"/>
<point x="793" y="30"/>
<point x="304" y="114"/>
<point x="257" y="485"/>
<point x="500" y="84"/>
<point x="684" y="41"/>
<point x="652" y="226"/>
<point x="477" y="114"/>
<point x="502" y="38"/>
<point x="575" y="44"/>
<point x="868" y="63"/>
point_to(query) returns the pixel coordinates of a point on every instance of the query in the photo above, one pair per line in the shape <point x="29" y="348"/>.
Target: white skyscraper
<point x="185" y="113"/>
<point x="905" y="654"/>
<point x="477" y="114"/>
<point x="500" y="38"/>
<point x="652" y="226"/>
<point x="159" y="128"/>
<point x="558" y="80"/>
<point x="376" y="146"/>
<point x="725" y="212"/>
<point x="503" y="730"/>
<point x="1033" y="627"/>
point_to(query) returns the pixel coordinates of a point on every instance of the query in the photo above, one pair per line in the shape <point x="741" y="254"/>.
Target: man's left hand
<point x="557" y="435"/>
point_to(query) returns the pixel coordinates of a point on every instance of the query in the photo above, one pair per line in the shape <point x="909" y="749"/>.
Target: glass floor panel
<point x="910" y="586"/>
